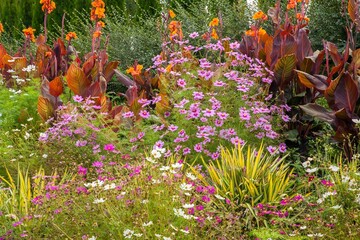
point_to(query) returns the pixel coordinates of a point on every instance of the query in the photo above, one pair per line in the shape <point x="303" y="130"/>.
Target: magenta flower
<point x="206" y="199"/>
<point x="327" y="183"/>
<point x="109" y="147"/>
<point x="82" y="170"/>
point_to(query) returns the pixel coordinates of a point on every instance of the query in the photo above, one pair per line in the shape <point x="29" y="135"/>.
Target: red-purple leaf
<point x="319" y="112"/>
<point x="45" y="108"/>
<point x="56" y="86"/>
<point x="284" y="70"/>
<point x="77" y="81"/>
<point x="346" y="93"/>
<point x="311" y="81"/>
<point x="110" y="70"/>
<point x="303" y="45"/>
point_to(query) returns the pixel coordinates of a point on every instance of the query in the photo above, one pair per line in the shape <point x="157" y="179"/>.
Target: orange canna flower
<point x="250" y="33"/>
<point x="172" y="14"/>
<point x="48" y="54"/>
<point x="98" y="4"/>
<point x="260" y="15"/>
<point x="300" y="17"/>
<point x="135" y="71"/>
<point x="97" y="34"/>
<point x="29" y="33"/>
<point x="214" y="22"/>
<point x="100" y="24"/>
<point x="262" y="32"/>
<point x="71" y="35"/>
<point x="291" y="4"/>
<point x="175" y="30"/>
<point x="214" y="34"/>
<point x="1" y="28"/>
<point x="47" y="6"/>
<point x="98" y="10"/>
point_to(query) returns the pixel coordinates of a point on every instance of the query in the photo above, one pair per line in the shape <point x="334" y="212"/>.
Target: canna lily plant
<point x="340" y="86"/>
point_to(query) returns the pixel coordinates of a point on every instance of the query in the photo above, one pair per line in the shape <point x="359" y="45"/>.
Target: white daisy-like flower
<point x="100" y="200"/>
<point x="306" y="164"/>
<point x="92" y="238"/>
<point x="311" y="170"/>
<point x="334" y="168"/>
<point x="164" y="168"/>
<point x="219" y="197"/>
<point x="128" y="233"/>
<point x="186" y="187"/>
<point x="191" y="176"/>
<point x="147" y="224"/>
<point x="188" y="205"/>
<point x="176" y="165"/>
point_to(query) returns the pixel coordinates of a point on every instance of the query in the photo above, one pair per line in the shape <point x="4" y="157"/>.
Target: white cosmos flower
<point x="176" y="165"/>
<point x="306" y="164"/>
<point x="334" y="168"/>
<point x="164" y="168"/>
<point x="219" y="197"/>
<point x="188" y="205"/>
<point x="100" y="200"/>
<point x="92" y="238"/>
<point x="128" y="233"/>
<point x="147" y="224"/>
<point x="191" y="176"/>
<point x="312" y="170"/>
<point x="186" y="187"/>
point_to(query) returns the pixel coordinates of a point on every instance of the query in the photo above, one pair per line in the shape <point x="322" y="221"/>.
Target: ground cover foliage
<point x="220" y="130"/>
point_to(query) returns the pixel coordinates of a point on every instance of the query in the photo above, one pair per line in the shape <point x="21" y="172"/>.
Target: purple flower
<point x="80" y="143"/>
<point x="78" y="98"/>
<point x="144" y="114"/>
<point x="128" y="114"/>
<point x="194" y="35"/>
<point x="98" y="164"/>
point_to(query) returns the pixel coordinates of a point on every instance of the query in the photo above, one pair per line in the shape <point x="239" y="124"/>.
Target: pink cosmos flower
<point x="78" y="98"/>
<point x="194" y="35"/>
<point x="144" y="114"/>
<point x="109" y="147"/>
<point x="98" y="164"/>
<point x="128" y="114"/>
<point x="82" y="170"/>
<point x="181" y="83"/>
